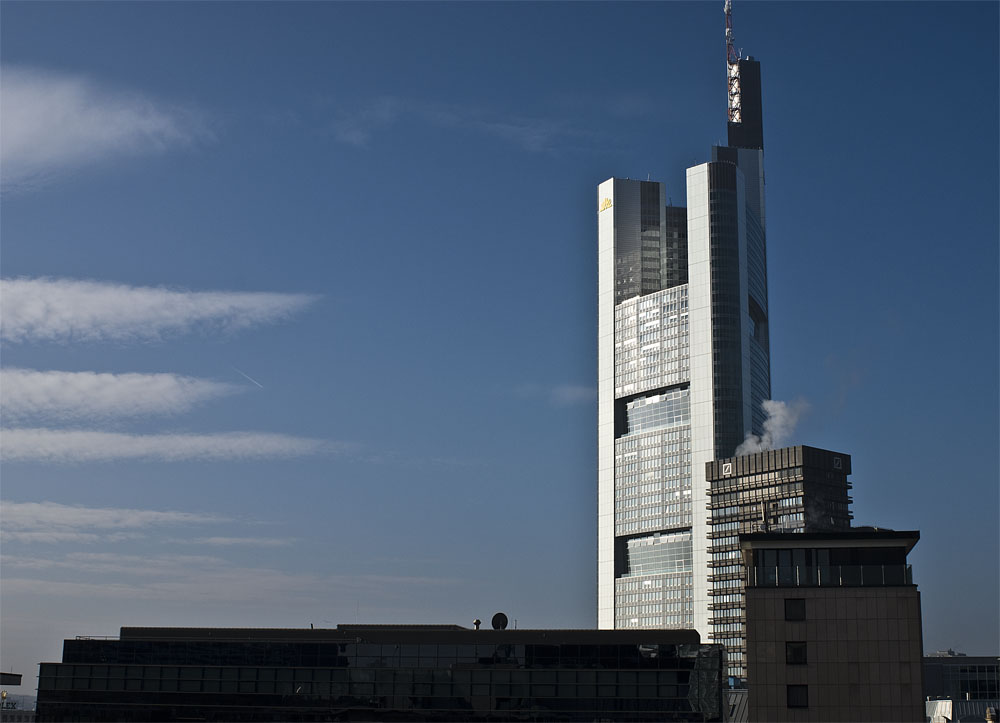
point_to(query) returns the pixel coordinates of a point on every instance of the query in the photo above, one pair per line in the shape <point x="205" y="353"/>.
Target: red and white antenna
<point x="732" y="67"/>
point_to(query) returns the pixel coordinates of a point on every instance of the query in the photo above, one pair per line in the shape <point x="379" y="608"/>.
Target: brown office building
<point x="833" y="626"/>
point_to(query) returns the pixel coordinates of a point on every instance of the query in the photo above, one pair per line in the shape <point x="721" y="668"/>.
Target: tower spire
<point x="732" y="68"/>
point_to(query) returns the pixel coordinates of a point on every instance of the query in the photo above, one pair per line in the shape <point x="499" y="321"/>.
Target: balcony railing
<point x="831" y="576"/>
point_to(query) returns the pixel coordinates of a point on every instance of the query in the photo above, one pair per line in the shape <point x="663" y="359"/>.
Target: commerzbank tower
<point x="683" y="366"/>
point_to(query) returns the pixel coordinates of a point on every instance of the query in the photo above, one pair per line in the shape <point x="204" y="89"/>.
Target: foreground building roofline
<point x="418" y="633"/>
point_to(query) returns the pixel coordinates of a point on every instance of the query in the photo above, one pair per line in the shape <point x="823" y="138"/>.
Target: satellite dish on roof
<point x="499" y="622"/>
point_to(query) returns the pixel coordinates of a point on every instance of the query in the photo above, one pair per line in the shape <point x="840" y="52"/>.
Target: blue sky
<point x="300" y="310"/>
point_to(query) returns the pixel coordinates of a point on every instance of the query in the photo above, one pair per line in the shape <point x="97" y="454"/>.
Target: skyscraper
<point x="683" y="365"/>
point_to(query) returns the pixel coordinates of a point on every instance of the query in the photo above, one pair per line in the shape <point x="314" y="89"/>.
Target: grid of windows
<point x="394" y="681"/>
<point x="654" y="601"/>
<point x="641" y="246"/>
<point x="651" y="342"/>
<point x="972" y="682"/>
<point x="669" y="552"/>
<point x="653" y="481"/>
<point x="659" y="411"/>
<point x="773" y="497"/>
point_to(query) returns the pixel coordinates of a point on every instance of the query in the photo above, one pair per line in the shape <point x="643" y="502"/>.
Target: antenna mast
<point x="732" y="67"/>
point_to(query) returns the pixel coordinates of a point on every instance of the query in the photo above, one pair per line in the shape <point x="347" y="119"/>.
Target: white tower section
<point x="679" y="380"/>
<point x="605" y="405"/>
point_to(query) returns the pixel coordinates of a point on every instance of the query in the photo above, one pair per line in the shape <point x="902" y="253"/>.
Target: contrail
<point x="244" y="374"/>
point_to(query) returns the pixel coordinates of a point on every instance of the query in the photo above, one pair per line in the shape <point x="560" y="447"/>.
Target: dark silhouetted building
<point x="385" y="673"/>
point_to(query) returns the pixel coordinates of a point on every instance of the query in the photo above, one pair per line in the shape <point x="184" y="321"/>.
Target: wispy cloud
<point x="237" y="541"/>
<point x="51" y="522"/>
<point x="564" y="394"/>
<point x="204" y="580"/>
<point x="26" y="393"/>
<point x="74" y="446"/>
<point x="560" y="395"/>
<point x="104" y="563"/>
<point x="54" y="122"/>
<point x="46" y="309"/>
<point x="357" y="125"/>
<point x="57" y="537"/>
<point x="32" y="515"/>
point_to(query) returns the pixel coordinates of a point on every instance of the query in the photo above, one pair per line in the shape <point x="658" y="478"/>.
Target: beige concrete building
<point x="833" y="627"/>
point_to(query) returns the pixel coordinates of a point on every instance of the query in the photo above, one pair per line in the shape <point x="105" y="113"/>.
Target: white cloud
<point x="88" y="395"/>
<point x="51" y="522"/>
<point x="202" y="586"/>
<point x="53" y="122"/>
<point x="110" y="563"/>
<point x="357" y="125"/>
<point x="45" y="309"/>
<point x="56" y="537"/>
<point x="564" y="394"/>
<point x="239" y="541"/>
<point x="70" y="446"/>
<point x="203" y="580"/>
<point x="34" y="515"/>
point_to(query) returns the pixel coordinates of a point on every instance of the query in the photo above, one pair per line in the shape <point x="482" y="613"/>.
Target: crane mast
<point x="732" y="68"/>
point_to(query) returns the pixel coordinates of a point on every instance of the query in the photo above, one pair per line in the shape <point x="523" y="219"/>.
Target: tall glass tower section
<point x="683" y="366"/>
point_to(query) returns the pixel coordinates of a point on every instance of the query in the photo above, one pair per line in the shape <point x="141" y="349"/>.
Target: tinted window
<point x="795" y="653"/>
<point x="795" y="609"/>
<point x="798" y="696"/>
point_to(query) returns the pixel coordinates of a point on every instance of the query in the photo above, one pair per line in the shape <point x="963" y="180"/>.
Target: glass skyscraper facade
<point x="683" y="367"/>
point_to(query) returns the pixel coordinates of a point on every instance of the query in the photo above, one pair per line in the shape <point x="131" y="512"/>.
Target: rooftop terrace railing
<point x="830" y="576"/>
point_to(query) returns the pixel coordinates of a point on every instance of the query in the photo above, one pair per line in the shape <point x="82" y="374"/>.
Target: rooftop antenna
<point x="732" y="68"/>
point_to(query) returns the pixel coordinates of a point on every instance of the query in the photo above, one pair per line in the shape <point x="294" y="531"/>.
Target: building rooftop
<point x="841" y="538"/>
<point x="420" y="633"/>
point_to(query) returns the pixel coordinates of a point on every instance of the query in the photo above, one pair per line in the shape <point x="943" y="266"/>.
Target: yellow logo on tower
<point x="605" y="204"/>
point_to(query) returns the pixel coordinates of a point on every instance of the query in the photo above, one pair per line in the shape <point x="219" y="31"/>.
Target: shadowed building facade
<point x="390" y="673"/>
<point x="833" y="626"/>
<point x="793" y="489"/>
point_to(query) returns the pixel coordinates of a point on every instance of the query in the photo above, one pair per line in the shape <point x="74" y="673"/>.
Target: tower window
<point x="795" y="609"/>
<point x="797" y="696"/>
<point x="795" y="653"/>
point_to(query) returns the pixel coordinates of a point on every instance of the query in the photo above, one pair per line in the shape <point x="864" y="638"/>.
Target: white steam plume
<point x="782" y="418"/>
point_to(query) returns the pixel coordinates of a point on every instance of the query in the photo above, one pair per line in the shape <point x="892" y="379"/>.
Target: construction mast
<point x="732" y="68"/>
